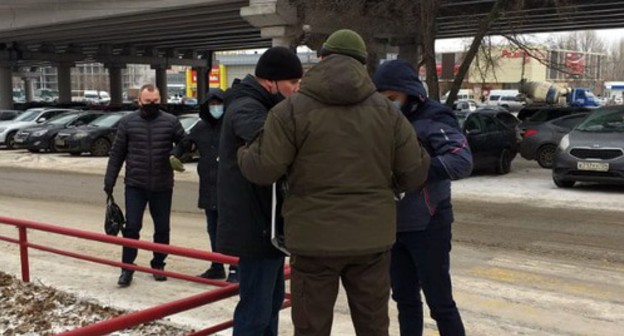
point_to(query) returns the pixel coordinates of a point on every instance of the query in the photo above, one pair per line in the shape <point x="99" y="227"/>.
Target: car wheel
<point x="504" y="162"/>
<point x="563" y="183"/>
<point x="546" y="155"/>
<point x="52" y="146"/>
<point x="100" y="147"/>
<point x="10" y="140"/>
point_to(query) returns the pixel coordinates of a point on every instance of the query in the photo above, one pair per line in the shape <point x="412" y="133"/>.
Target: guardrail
<point x="224" y="291"/>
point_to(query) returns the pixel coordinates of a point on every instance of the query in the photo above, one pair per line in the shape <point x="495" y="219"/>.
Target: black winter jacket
<point x="205" y="137"/>
<point x="145" y="145"/>
<point x="244" y="208"/>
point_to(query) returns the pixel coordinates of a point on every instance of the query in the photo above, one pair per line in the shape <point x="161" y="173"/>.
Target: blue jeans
<point x="261" y="296"/>
<point x="212" y="216"/>
<point x="421" y="260"/>
<point x="160" y="209"/>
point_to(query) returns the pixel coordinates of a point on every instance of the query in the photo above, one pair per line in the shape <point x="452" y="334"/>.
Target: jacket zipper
<point x="150" y="173"/>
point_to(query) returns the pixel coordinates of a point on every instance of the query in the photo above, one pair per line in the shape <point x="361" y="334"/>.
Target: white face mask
<point x="397" y="104"/>
<point x="216" y="111"/>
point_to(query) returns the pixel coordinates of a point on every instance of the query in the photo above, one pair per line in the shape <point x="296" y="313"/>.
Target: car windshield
<point x="28" y="115"/>
<point x="62" y="119"/>
<point x="604" y="121"/>
<point x="495" y="97"/>
<point x="106" y="120"/>
<point x="543" y="115"/>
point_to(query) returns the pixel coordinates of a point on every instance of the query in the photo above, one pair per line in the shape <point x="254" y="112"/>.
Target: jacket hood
<point x="435" y="111"/>
<point x="214" y="93"/>
<point x="337" y="80"/>
<point x="249" y="87"/>
<point x="399" y="75"/>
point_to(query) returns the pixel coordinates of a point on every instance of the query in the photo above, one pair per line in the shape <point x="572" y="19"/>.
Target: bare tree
<point x="614" y="65"/>
<point x="586" y="41"/>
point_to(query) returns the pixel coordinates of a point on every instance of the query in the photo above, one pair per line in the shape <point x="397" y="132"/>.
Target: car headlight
<point x="80" y="135"/>
<point x="40" y="133"/>
<point x="565" y="142"/>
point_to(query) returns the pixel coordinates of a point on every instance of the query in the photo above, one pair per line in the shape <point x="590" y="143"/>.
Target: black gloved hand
<point x="108" y="190"/>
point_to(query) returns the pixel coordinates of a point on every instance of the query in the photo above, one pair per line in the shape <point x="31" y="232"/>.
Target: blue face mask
<point x="397" y="104"/>
<point x="216" y="111"/>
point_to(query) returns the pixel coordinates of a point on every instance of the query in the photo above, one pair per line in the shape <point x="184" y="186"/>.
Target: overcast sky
<point x="610" y="36"/>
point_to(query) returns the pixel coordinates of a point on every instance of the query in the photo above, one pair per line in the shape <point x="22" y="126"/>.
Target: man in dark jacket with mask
<point x="245" y="208"/>
<point x="421" y="254"/>
<point x="204" y="137"/>
<point x="345" y="150"/>
<point x="144" y="140"/>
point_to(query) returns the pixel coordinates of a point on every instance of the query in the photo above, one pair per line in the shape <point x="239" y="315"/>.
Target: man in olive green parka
<point x="346" y="151"/>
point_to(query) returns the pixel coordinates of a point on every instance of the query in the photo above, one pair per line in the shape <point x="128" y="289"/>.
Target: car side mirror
<point x="41" y="120"/>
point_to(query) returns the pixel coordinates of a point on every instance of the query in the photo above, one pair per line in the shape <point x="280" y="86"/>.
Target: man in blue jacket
<point x="421" y="254"/>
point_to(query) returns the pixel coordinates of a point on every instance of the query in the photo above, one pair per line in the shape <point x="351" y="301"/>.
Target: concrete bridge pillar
<point x="277" y="20"/>
<point x="6" y="87"/>
<point x="116" y="83"/>
<point x="161" y="83"/>
<point x="64" y="82"/>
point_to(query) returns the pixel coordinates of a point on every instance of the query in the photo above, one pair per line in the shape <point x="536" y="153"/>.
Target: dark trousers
<point x="212" y="216"/>
<point x="160" y="209"/>
<point x="314" y="285"/>
<point x="261" y="296"/>
<point x="421" y="260"/>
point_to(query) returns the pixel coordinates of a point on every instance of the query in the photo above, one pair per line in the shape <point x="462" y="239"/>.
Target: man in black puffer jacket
<point x="144" y="141"/>
<point x="245" y="208"/>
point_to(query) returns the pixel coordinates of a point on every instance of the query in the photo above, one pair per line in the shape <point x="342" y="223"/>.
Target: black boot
<point x="159" y="277"/>
<point x="213" y="273"/>
<point x="125" y="278"/>
<point x="232" y="275"/>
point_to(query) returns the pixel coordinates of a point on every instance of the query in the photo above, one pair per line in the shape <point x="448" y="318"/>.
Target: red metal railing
<point x="226" y="289"/>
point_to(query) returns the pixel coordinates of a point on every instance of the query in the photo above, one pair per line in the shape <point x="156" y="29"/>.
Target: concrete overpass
<point x="186" y="32"/>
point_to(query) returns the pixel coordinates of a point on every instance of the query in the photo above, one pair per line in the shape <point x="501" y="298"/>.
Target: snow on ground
<point x="527" y="182"/>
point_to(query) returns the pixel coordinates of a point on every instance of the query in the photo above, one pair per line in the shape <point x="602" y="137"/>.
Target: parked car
<point x="6" y="115"/>
<point x="593" y="151"/>
<point x="492" y="142"/>
<point x="30" y="117"/>
<point x="95" y="138"/>
<point x="545" y="114"/>
<point x="189" y="121"/>
<point x="41" y="137"/>
<point x="507" y="99"/>
<point x="465" y="106"/>
<point x="540" y="142"/>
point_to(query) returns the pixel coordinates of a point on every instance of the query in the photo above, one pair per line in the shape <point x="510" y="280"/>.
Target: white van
<point x="91" y="96"/>
<point x="463" y="94"/>
<point x="507" y="99"/>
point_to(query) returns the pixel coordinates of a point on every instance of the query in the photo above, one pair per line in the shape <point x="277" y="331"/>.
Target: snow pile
<point x="28" y="309"/>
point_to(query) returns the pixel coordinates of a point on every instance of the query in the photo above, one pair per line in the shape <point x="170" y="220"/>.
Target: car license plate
<point x="593" y="166"/>
<point x="59" y="142"/>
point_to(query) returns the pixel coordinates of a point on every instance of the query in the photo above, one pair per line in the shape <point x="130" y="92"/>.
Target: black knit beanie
<point x="279" y="63"/>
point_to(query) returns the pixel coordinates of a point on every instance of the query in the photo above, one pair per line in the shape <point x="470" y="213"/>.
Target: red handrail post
<point x="23" y="242"/>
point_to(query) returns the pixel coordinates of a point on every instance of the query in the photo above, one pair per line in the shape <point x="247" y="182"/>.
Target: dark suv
<point x="41" y="137"/>
<point x="95" y="138"/>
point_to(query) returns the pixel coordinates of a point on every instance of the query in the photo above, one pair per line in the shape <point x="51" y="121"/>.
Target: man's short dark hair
<point x="148" y="87"/>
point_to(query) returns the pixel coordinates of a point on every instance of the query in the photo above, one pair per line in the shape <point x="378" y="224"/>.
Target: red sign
<point x="575" y="63"/>
<point x="215" y="76"/>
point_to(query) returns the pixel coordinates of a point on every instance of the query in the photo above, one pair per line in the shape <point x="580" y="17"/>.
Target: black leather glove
<point x="108" y="190"/>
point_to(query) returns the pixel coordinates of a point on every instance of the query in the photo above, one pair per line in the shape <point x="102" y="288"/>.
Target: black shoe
<point x="159" y="277"/>
<point x="213" y="273"/>
<point x="125" y="278"/>
<point x="232" y="276"/>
